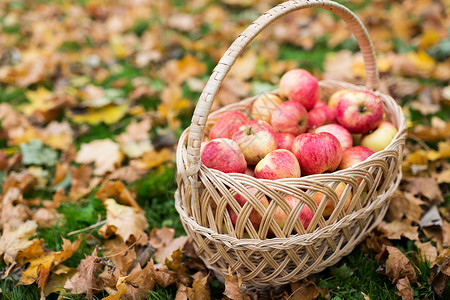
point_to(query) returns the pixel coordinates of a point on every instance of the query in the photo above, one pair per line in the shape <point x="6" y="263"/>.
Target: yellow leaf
<point x="424" y="63"/>
<point x="14" y="240"/>
<point x="37" y="100"/>
<point x="107" y="114"/>
<point x="153" y="158"/>
<point x="428" y="38"/>
<point x="121" y="289"/>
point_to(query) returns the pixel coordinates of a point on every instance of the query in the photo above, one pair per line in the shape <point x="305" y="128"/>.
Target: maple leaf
<point x="121" y="289"/>
<point x="199" y="290"/>
<point x="405" y="205"/>
<point x="118" y="191"/>
<point x="128" y="174"/>
<point x="427" y="251"/>
<point x="164" y="243"/>
<point x="233" y="286"/>
<point x="108" y="114"/>
<point x="16" y="239"/>
<point x="46" y="217"/>
<point x="126" y="222"/>
<point x="177" y="71"/>
<point x="57" y="135"/>
<point x="85" y="280"/>
<point x="398" y="228"/>
<point x="399" y="266"/>
<point x="135" y="141"/>
<point x="404" y="289"/>
<point x="421" y="186"/>
<point x="81" y="181"/>
<point x="304" y="289"/>
<point x="14" y="210"/>
<point x="57" y="279"/>
<point x="153" y="159"/>
<point x="105" y="154"/>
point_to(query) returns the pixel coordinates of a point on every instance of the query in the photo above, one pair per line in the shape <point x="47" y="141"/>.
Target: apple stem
<point x="362" y="109"/>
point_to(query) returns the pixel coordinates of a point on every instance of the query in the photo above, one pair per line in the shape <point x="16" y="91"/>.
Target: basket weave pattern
<point x="269" y="255"/>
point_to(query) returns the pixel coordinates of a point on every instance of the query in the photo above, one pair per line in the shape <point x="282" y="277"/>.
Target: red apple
<point x="354" y="155"/>
<point x="299" y="85"/>
<point x="339" y="190"/>
<point x="264" y="105"/>
<point x="278" y="164"/>
<point x="250" y="171"/>
<point x="285" y="140"/>
<point x="305" y="215"/>
<point x="256" y="139"/>
<point x="227" y="124"/>
<point x="359" y="112"/>
<point x="254" y="216"/>
<point x="334" y="99"/>
<point x="317" y="152"/>
<point x="290" y="117"/>
<point x="343" y="135"/>
<point x="320" y="115"/>
<point x="380" y="138"/>
<point x="224" y="155"/>
<point x="319" y="103"/>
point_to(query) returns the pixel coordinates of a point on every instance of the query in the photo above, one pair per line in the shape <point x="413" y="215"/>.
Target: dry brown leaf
<point x="442" y="177"/>
<point x="421" y="186"/>
<point x="162" y="275"/>
<point x="105" y="154"/>
<point x="398" y="228"/>
<point x="440" y="272"/>
<point x="244" y="68"/>
<point x="164" y="243"/>
<point x="57" y="135"/>
<point x="14" y="210"/>
<point x="199" y="290"/>
<point x="46" y="217"/>
<point x="45" y="105"/>
<point x="439" y="130"/>
<point x="126" y="222"/>
<point x="61" y="171"/>
<point x="405" y="205"/>
<point x="177" y="265"/>
<point x="304" y="290"/>
<point x="85" y="281"/>
<point x="153" y="159"/>
<point x="177" y="71"/>
<point x="57" y="279"/>
<point x="427" y="251"/>
<point x="399" y="266"/>
<point x="404" y="289"/>
<point x="16" y="239"/>
<point x="129" y="174"/>
<point x="82" y="181"/>
<point x="118" y="191"/>
<point x="445" y="234"/>
<point x="233" y="287"/>
<point x="135" y="141"/>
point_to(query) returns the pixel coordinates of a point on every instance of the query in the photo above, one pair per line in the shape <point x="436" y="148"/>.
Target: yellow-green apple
<point x="278" y="164"/>
<point x="339" y="190"/>
<point x="305" y="215"/>
<point x="343" y="135"/>
<point x="254" y="216"/>
<point x="359" y="111"/>
<point x="290" y="117"/>
<point x="317" y="152"/>
<point x="334" y="99"/>
<point x="321" y="115"/>
<point x="227" y="124"/>
<point x="354" y="155"/>
<point x="256" y="139"/>
<point x="285" y="140"/>
<point x="299" y="85"/>
<point x="380" y="138"/>
<point x="264" y="105"/>
<point x="224" y="155"/>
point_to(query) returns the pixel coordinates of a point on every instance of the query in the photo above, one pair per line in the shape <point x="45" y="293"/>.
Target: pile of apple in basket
<point x="293" y="133"/>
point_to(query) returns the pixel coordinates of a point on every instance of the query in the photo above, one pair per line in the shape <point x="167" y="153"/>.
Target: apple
<point x="254" y="216"/>
<point x="343" y="135"/>
<point x="317" y="152"/>
<point x="354" y="155"/>
<point x="224" y="155"/>
<point x="305" y="215"/>
<point x="320" y="115"/>
<point x="264" y="105"/>
<point x="256" y="139"/>
<point x="250" y="171"/>
<point x="339" y="190"/>
<point x="227" y="124"/>
<point x="285" y="140"/>
<point x="380" y="138"/>
<point x="278" y="164"/>
<point x="334" y="99"/>
<point x="290" y="117"/>
<point x="319" y="103"/>
<point x="359" y="111"/>
<point x="299" y="85"/>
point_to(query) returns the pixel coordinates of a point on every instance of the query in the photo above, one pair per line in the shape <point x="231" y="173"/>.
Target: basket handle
<point x="203" y="107"/>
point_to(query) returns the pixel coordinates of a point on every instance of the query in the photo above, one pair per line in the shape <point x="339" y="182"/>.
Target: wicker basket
<point x="270" y="256"/>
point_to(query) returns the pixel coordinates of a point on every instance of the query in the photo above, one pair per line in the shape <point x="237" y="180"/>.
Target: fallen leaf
<point x="121" y="289"/>
<point x="85" y="281"/>
<point x="164" y="243"/>
<point x="398" y="228"/>
<point x="35" y="153"/>
<point x="399" y="266"/>
<point x="233" y="287"/>
<point x="105" y="154"/>
<point x="108" y="114"/>
<point x="14" y="210"/>
<point x="135" y="141"/>
<point x="153" y="159"/>
<point x="304" y="289"/>
<point x="404" y="289"/>
<point x="177" y="71"/>
<point x="16" y="239"/>
<point x="431" y="218"/>
<point x="118" y="191"/>
<point x="405" y="205"/>
<point x="177" y="265"/>
<point x="438" y="131"/>
<point x="427" y="251"/>
<point x="421" y="186"/>
<point x="129" y="174"/>
<point x="46" y="217"/>
<point x="57" y="279"/>
<point x="57" y="135"/>
<point x="440" y="272"/>
<point x="199" y="290"/>
<point x="82" y="181"/>
<point x="126" y="222"/>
